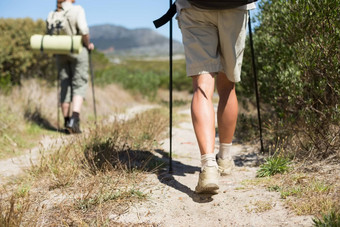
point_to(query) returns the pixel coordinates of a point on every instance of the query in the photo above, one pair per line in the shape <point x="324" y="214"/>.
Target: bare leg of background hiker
<point x="77" y="102"/>
<point x="65" y="109"/>
<point x="72" y="122"/>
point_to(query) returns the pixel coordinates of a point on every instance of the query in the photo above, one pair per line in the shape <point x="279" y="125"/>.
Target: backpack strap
<point x="72" y="46"/>
<point x="166" y="17"/>
<point x="42" y="44"/>
<point x="68" y="21"/>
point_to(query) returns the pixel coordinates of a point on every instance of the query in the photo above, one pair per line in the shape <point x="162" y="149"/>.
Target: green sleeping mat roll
<point x="57" y="44"/>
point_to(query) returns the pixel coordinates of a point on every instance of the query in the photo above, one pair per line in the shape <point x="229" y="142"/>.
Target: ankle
<point x="75" y="115"/>
<point x="208" y="160"/>
<point x="224" y="150"/>
<point x="66" y="121"/>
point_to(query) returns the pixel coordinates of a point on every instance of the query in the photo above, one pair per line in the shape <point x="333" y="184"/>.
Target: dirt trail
<point x="15" y="166"/>
<point x="171" y="197"/>
<point x="173" y="202"/>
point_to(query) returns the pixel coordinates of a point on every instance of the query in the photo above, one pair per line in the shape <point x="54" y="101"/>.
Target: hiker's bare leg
<point x="77" y="102"/>
<point x="65" y="108"/>
<point x="202" y="112"/>
<point x="227" y="108"/>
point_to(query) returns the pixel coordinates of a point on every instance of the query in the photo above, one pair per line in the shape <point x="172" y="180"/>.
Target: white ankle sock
<point x="208" y="160"/>
<point x="224" y="151"/>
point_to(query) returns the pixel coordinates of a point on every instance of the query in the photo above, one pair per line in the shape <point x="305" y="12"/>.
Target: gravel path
<point x="173" y="202"/>
<point x="171" y="197"/>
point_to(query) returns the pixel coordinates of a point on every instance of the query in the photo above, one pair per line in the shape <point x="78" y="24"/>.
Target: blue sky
<point x="128" y="13"/>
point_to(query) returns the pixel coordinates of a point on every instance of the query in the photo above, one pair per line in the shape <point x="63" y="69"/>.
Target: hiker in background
<point x="214" y="43"/>
<point x="72" y="68"/>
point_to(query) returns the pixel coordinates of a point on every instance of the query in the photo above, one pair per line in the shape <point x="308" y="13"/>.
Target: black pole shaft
<point x="92" y="82"/>
<point x="170" y="93"/>
<point x="255" y="80"/>
<point x="58" y="103"/>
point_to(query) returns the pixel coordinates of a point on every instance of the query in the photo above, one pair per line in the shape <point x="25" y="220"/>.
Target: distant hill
<point x="117" y="40"/>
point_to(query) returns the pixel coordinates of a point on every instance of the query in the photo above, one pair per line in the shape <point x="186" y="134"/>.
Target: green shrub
<point x="298" y="61"/>
<point x="273" y="165"/>
<point x="17" y="60"/>
<point x="144" y="77"/>
<point x="328" y="220"/>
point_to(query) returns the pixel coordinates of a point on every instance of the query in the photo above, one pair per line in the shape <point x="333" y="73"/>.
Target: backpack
<point x="219" y="4"/>
<point x="56" y="22"/>
<point x="57" y="41"/>
<point x="203" y="4"/>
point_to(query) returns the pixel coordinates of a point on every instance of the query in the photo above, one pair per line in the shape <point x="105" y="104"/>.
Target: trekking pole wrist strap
<point x="166" y="17"/>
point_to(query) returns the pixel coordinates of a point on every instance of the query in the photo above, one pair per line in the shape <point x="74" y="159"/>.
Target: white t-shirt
<point x="76" y="16"/>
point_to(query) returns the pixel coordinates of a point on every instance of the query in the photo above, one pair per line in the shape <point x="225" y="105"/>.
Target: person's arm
<point x="84" y="30"/>
<point x="87" y="43"/>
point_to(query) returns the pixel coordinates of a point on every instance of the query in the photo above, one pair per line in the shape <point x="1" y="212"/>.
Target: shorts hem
<point x="193" y="71"/>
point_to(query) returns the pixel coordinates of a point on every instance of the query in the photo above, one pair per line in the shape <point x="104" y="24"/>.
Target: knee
<point x="203" y="86"/>
<point x="224" y="85"/>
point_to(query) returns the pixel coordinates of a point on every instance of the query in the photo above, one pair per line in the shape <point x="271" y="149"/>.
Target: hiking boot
<point x="73" y="126"/>
<point x="208" y="180"/>
<point x="66" y="121"/>
<point x="225" y="166"/>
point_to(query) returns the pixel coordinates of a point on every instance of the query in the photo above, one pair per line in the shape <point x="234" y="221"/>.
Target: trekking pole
<point x="58" y="103"/>
<point x="92" y="81"/>
<point x="167" y="17"/>
<point x="255" y="80"/>
<point x="170" y="92"/>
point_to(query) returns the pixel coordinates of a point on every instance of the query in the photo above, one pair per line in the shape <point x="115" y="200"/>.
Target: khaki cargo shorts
<point x="213" y="40"/>
<point x="73" y="74"/>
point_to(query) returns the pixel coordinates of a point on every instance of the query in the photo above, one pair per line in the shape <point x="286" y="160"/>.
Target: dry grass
<point x="311" y="192"/>
<point x="89" y="181"/>
<point x="30" y="111"/>
<point x="259" y="206"/>
<point x="23" y="119"/>
<point x="312" y="185"/>
<point x="306" y="192"/>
